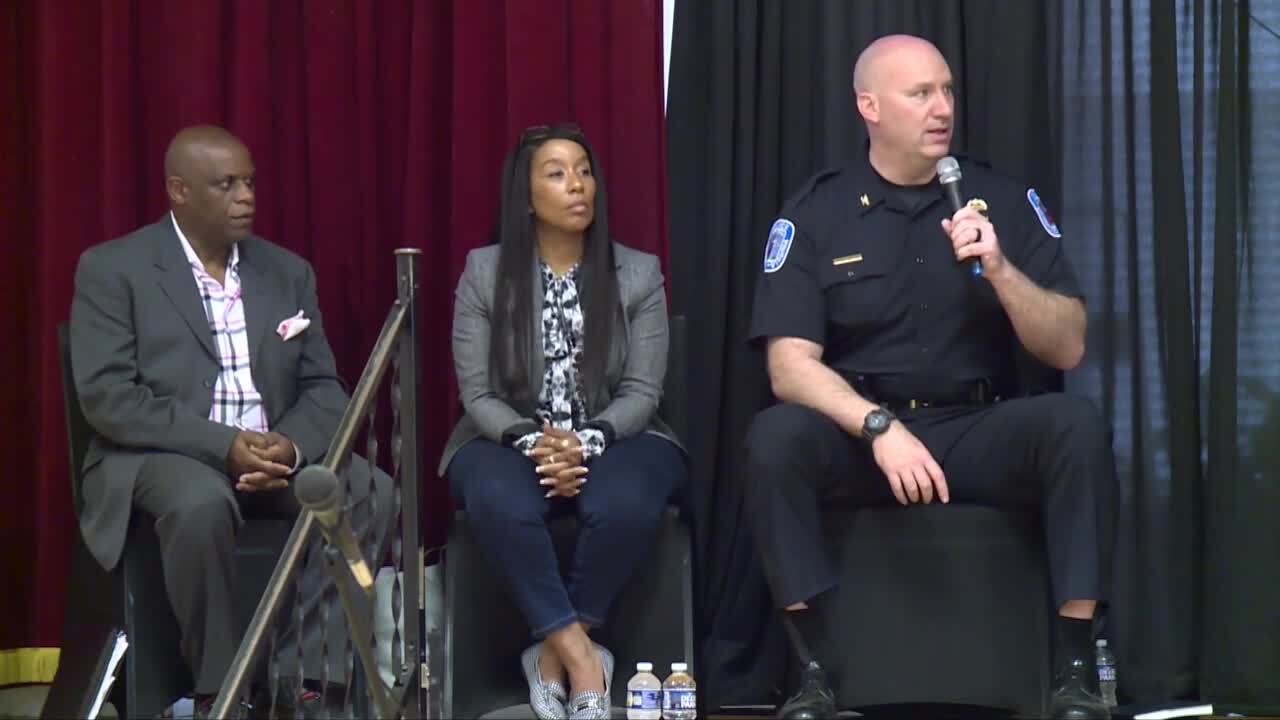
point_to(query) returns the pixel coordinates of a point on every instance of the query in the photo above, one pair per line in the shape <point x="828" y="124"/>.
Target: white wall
<point x="668" y="21"/>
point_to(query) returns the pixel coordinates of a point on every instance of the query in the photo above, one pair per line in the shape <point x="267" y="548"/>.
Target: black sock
<point x="1075" y="639"/>
<point x="808" y="626"/>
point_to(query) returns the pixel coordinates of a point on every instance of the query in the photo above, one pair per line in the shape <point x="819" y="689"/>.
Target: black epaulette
<point x="807" y="188"/>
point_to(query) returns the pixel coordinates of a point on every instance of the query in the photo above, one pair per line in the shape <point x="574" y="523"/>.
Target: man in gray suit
<point x="201" y="362"/>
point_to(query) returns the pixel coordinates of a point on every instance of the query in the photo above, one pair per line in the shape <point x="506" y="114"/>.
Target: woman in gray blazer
<point x="560" y="346"/>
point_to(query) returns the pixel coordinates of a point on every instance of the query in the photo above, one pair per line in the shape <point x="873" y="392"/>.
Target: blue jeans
<point x="619" y="509"/>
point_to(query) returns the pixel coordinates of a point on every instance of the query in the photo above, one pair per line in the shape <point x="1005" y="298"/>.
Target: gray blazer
<point x="637" y="361"/>
<point x="145" y="365"/>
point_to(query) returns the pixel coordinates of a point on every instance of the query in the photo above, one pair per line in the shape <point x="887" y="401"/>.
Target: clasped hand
<point x="558" y="455"/>
<point x="260" y="461"/>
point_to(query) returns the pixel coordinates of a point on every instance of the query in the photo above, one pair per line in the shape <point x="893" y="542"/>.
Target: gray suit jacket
<point x="637" y="361"/>
<point x="145" y="365"/>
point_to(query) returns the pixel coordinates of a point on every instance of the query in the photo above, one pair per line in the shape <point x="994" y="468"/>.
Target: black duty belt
<point x="891" y="395"/>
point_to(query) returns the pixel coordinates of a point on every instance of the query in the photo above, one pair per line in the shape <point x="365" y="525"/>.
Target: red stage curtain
<point x="374" y="125"/>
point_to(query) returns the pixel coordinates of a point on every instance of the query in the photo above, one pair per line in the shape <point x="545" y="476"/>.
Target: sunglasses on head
<point x="538" y="133"/>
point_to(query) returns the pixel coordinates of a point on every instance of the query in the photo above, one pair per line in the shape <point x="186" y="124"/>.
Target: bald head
<point x="886" y="52"/>
<point x="209" y="179"/>
<point x="188" y="149"/>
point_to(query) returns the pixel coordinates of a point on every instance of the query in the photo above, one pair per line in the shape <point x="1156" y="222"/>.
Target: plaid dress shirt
<point x="236" y="401"/>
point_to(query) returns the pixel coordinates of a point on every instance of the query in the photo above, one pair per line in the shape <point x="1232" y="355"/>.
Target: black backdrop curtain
<point x="1132" y="119"/>
<point x="1162" y="165"/>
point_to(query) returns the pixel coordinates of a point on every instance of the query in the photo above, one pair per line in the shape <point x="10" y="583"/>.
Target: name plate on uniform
<point x="845" y="260"/>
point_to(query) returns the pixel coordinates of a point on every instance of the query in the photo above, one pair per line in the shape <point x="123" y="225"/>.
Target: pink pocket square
<point x="289" y="328"/>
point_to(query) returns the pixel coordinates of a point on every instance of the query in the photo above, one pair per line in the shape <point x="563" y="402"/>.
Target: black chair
<point x="944" y="604"/>
<point x="132" y="597"/>
<point x="651" y="620"/>
<point x="938" y="604"/>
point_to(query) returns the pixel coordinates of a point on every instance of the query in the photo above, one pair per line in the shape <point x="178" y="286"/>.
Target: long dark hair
<point x="511" y="325"/>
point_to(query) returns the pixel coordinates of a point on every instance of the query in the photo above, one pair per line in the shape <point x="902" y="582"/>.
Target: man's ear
<point x="869" y="107"/>
<point x="176" y="189"/>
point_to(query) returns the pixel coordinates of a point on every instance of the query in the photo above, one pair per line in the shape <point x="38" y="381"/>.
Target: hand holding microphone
<point x="319" y="490"/>
<point x="972" y="236"/>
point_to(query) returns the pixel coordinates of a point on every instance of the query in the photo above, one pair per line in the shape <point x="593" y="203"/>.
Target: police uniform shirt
<point x="863" y="268"/>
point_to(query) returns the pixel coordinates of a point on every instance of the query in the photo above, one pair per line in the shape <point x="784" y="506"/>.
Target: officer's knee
<point x="774" y="429"/>
<point x="779" y="434"/>
<point x="1075" y="419"/>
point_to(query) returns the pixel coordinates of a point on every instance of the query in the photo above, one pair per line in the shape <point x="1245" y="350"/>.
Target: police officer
<point x="890" y="358"/>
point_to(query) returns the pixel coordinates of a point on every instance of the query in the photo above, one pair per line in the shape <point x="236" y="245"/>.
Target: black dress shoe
<point x="1075" y="697"/>
<point x="814" y="701"/>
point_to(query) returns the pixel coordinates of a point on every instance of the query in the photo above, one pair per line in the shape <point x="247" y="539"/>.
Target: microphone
<point x="949" y="176"/>
<point x="318" y="490"/>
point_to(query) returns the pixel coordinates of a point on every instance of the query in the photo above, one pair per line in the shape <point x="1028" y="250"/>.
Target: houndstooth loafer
<point x="547" y="698"/>
<point x="589" y="704"/>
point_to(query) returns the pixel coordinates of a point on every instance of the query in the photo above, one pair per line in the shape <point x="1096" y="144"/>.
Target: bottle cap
<point x="644" y="666"/>
<point x="679" y="667"/>
<point x="1101" y="642"/>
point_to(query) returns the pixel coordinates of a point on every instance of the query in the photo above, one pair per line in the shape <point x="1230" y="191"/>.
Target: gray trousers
<point x="198" y="513"/>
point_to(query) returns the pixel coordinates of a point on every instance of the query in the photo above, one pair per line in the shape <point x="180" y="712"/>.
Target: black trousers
<point x="1051" y="452"/>
<point x="198" y="512"/>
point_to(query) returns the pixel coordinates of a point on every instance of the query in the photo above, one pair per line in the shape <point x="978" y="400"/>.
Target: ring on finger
<point x="978" y="236"/>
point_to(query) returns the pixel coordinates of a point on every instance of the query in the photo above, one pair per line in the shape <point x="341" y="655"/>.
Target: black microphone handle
<point x="952" y="190"/>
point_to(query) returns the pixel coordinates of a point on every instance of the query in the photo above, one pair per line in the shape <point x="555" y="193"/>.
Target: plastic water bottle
<point x="1106" y="661"/>
<point x="644" y="694"/>
<point x="679" y="694"/>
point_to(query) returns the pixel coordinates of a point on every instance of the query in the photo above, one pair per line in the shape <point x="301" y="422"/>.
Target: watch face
<point x="877" y="421"/>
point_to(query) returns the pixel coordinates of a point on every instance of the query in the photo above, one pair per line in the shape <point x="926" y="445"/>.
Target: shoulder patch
<point x="1046" y="221"/>
<point x="780" y="237"/>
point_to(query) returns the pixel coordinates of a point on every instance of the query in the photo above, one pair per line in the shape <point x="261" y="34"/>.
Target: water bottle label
<point x="1106" y="673"/>
<point x="680" y="699"/>
<point x="644" y="699"/>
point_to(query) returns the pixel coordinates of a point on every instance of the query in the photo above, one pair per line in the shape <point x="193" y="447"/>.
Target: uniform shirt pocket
<point x="859" y="289"/>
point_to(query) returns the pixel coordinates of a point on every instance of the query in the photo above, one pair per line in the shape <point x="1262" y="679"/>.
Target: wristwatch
<point x="876" y="423"/>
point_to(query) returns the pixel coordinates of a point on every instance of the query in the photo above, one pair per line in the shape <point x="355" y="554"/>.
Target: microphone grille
<point x="315" y="486"/>
<point x="948" y="170"/>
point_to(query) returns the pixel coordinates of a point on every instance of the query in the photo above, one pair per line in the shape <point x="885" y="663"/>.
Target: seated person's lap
<point x="178" y="489"/>
<point x="640" y="472"/>
<point x="989" y="454"/>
